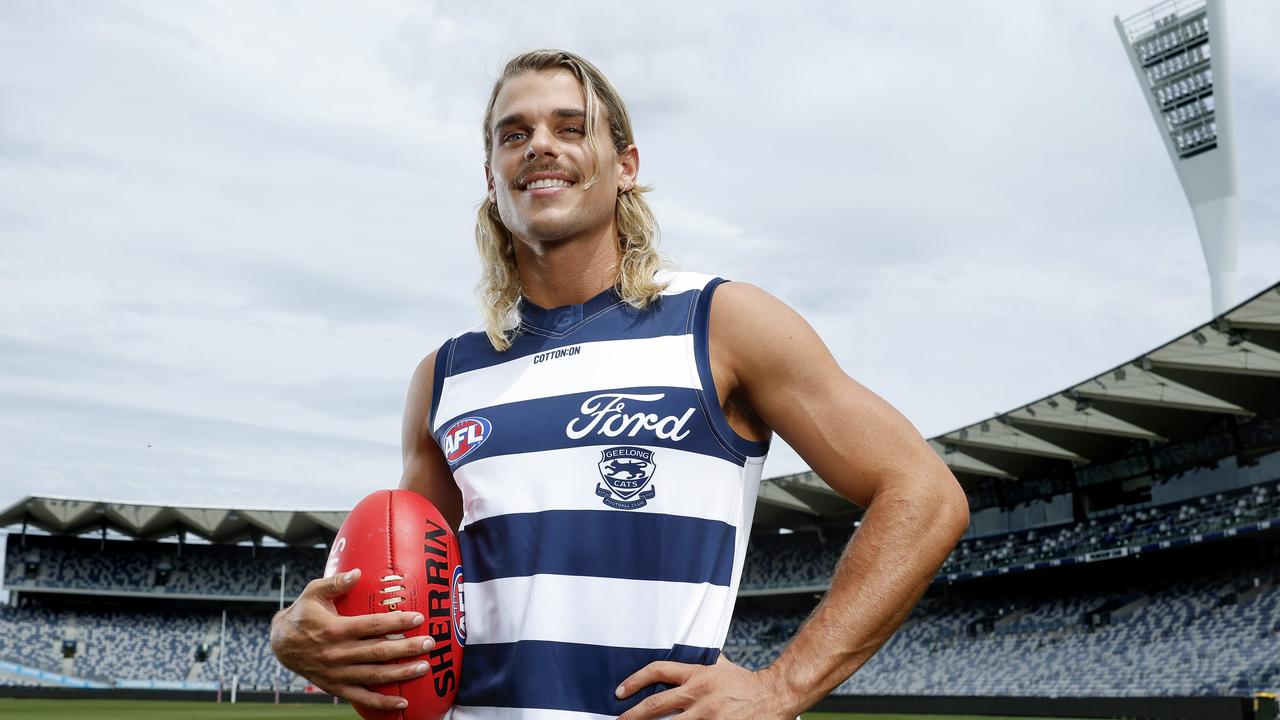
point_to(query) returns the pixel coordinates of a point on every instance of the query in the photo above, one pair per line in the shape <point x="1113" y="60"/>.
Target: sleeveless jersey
<point x="606" y="501"/>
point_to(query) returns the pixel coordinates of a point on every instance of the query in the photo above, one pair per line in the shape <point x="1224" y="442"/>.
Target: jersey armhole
<point x="444" y="361"/>
<point x="702" y="356"/>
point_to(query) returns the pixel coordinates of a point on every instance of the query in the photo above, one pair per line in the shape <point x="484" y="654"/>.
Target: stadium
<point x="1122" y="558"/>
<point x="1121" y="562"/>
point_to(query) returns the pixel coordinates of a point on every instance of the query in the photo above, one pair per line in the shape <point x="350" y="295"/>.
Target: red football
<point x="409" y="562"/>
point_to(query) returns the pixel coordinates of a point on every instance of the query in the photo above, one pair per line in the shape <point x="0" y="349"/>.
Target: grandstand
<point x="121" y="566"/>
<point x="1131" y="629"/>
<point x="1124" y="543"/>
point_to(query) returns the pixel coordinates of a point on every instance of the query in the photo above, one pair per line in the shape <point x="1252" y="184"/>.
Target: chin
<point x="551" y="229"/>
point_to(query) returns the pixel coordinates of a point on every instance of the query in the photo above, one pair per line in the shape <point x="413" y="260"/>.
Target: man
<point x="616" y="419"/>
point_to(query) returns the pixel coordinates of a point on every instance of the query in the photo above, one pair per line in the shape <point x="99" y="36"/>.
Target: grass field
<point x="157" y="710"/>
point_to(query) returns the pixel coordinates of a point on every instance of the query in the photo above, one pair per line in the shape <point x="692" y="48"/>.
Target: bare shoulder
<point x="740" y="299"/>
<point x="751" y="330"/>
<point x="424" y="374"/>
<point x="425" y="469"/>
<point x="421" y="390"/>
<point x="855" y="440"/>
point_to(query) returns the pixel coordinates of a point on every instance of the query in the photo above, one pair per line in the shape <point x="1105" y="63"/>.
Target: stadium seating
<point x="32" y="636"/>
<point x="126" y="566"/>
<point x="1199" y="636"/>
<point x="1208" y="635"/>
<point x="1203" y="636"/>
<point x="249" y="655"/>
<point x="128" y="645"/>
<point x="135" y="646"/>
<point x="773" y="561"/>
<point x="807" y="558"/>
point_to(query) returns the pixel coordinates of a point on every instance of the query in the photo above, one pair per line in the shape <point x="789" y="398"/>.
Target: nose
<point x="542" y="143"/>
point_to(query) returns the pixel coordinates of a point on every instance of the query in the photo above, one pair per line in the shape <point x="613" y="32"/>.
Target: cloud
<point x="86" y="449"/>
<point x="239" y="228"/>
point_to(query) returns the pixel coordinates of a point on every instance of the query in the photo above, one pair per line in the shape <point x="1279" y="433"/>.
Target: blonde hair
<point x="499" y="289"/>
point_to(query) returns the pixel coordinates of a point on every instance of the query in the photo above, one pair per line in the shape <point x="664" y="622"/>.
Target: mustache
<point x="528" y="170"/>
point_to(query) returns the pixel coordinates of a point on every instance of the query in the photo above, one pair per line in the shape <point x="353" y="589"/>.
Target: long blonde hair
<point x="499" y="289"/>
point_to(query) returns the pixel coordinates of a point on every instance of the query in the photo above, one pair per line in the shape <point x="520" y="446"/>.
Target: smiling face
<point x="541" y="161"/>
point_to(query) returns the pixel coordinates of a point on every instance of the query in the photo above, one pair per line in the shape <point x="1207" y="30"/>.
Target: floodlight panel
<point x="1178" y="52"/>
<point x="1173" y="46"/>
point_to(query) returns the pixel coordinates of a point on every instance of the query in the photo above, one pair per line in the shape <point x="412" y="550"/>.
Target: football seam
<point x="391" y="561"/>
<point x="391" y="528"/>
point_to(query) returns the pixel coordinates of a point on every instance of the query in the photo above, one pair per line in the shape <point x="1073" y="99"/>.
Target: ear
<point x="628" y="168"/>
<point x="488" y="181"/>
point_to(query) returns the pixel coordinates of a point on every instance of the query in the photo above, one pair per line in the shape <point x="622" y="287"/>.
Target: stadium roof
<point x="143" y="521"/>
<point x="1228" y="367"/>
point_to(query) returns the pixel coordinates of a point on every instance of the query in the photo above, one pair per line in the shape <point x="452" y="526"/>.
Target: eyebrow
<point x="518" y="119"/>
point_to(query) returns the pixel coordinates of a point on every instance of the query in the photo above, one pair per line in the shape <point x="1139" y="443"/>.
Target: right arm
<point x="425" y="470"/>
<point x="340" y="654"/>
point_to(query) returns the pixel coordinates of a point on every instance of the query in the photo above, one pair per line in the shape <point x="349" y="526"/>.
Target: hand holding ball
<point x="409" y="562"/>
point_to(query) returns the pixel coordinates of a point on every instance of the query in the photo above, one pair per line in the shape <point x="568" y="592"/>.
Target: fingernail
<point x="420" y="668"/>
<point x="351" y="575"/>
<point x="416" y="619"/>
<point x="402" y="704"/>
<point x="619" y="691"/>
<point x="428" y="644"/>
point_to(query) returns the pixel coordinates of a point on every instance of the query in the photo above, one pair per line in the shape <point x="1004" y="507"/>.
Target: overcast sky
<point x="229" y="231"/>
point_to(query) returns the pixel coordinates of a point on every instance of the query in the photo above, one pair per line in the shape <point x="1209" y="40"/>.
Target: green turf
<point x="160" y="710"/>
<point x="865" y="716"/>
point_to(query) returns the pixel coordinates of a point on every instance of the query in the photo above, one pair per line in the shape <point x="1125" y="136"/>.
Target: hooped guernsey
<point x="607" y="502"/>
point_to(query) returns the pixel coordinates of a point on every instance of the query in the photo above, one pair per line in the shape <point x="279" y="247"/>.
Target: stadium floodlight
<point x="1178" y="52"/>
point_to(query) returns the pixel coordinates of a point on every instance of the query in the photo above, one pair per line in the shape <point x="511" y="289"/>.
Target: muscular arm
<point x="773" y="372"/>
<point x="865" y="450"/>
<point x="425" y="469"/>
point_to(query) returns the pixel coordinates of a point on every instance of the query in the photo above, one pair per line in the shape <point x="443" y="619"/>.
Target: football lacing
<point x="392" y="601"/>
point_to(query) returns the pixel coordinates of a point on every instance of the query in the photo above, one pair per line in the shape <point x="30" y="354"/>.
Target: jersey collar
<point x="566" y="317"/>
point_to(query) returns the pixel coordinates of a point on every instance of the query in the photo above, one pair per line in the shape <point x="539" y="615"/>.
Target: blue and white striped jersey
<point x="606" y="501"/>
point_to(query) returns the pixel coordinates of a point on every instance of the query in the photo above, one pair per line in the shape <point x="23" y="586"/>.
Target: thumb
<point x="339" y="584"/>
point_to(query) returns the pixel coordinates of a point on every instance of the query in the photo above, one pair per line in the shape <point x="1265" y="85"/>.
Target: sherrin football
<point x="409" y="562"/>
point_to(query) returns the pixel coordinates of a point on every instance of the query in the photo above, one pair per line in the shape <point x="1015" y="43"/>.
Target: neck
<point x="569" y="271"/>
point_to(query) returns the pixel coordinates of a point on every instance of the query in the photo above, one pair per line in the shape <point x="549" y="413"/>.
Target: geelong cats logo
<point x="626" y="471"/>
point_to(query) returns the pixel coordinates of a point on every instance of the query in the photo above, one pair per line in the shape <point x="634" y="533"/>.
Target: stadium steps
<point x="1010" y="618"/>
<point x="1249" y="594"/>
<point x="212" y="629"/>
<point x="71" y="632"/>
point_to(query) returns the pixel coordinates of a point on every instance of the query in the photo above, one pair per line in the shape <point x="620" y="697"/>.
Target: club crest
<point x="626" y="472"/>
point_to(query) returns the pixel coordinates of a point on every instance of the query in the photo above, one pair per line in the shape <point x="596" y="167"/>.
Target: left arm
<point x="869" y="453"/>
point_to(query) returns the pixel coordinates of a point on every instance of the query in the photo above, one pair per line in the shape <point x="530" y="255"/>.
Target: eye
<point x="511" y="136"/>
<point x="574" y="128"/>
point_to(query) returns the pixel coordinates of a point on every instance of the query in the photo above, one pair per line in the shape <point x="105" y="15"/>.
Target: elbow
<point x="955" y="506"/>
<point x="941" y="502"/>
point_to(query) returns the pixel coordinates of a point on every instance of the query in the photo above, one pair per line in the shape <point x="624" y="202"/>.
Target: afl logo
<point x="464" y="436"/>
<point x="459" y="608"/>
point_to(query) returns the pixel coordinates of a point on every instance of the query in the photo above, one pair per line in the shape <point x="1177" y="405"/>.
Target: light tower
<point x="1178" y="52"/>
